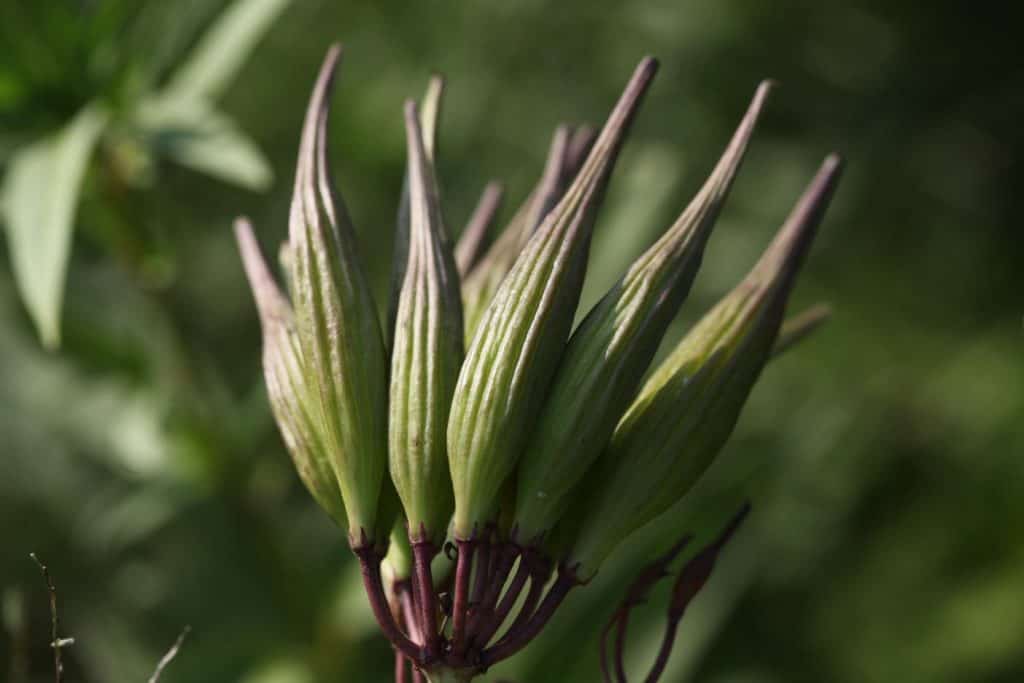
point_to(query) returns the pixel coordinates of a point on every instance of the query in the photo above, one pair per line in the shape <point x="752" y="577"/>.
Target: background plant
<point x="884" y="457"/>
<point x="124" y="84"/>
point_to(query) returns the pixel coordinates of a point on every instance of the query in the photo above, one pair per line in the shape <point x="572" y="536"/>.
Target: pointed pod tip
<point x="764" y="88"/>
<point x="411" y="111"/>
<point x="247" y="242"/>
<point x="833" y="163"/>
<point x="241" y="225"/>
<point x="643" y="74"/>
<point x="648" y="65"/>
<point x="330" y="63"/>
<point x="270" y="301"/>
<point x="800" y="326"/>
<point x="793" y="239"/>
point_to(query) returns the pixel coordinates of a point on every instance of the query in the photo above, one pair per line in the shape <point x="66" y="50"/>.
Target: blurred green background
<point x="884" y="457"/>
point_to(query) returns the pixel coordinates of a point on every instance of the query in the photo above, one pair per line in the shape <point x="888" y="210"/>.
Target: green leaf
<point x="195" y="134"/>
<point x="225" y="47"/>
<point x="39" y="197"/>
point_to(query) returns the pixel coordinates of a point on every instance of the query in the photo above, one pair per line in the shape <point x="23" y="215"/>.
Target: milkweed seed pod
<point x="480" y="416"/>
<point x="612" y="348"/>
<point x="520" y="338"/>
<point x="429" y="116"/>
<point x="426" y="356"/>
<point x="338" y="330"/>
<point x="482" y="281"/>
<point x="688" y="408"/>
<point x="295" y="408"/>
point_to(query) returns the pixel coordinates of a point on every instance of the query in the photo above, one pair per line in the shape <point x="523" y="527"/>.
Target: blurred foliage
<point x="883" y="457"/>
<point x="95" y="63"/>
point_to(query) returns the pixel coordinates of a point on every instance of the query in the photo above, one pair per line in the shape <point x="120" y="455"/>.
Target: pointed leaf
<point x="194" y="134"/>
<point x="222" y="51"/>
<point x="40" y="194"/>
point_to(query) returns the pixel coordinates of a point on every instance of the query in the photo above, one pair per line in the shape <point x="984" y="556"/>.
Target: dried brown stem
<point x="56" y="642"/>
<point x="169" y="655"/>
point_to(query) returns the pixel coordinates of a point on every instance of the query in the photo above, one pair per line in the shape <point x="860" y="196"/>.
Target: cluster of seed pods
<point x="477" y="420"/>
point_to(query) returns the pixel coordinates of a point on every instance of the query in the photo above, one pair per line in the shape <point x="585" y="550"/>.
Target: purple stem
<point x="480" y="622"/>
<point x="514" y="642"/>
<point x="369" y="565"/>
<point x="508" y="601"/>
<point x="463" y="570"/>
<point x="658" y="668"/>
<point x="423" y="553"/>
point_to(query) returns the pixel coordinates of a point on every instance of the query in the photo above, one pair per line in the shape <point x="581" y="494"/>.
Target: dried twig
<point x="170" y="655"/>
<point x="56" y="642"/>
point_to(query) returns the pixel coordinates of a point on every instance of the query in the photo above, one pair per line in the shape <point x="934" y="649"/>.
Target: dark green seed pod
<point x="689" y="407"/>
<point x="609" y="352"/>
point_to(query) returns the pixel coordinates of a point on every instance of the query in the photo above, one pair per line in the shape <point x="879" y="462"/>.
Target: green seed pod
<point x="426" y="356"/>
<point x="345" y="363"/>
<point x="609" y="352"/>
<point x="522" y="334"/>
<point x="799" y="327"/>
<point x="430" y="113"/>
<point x="399" y="555"/>
<point x="295" y="408"/>
<point x="483" y="281"/>
<point x="688" y="408"/>
<point x="470" y="246"/>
